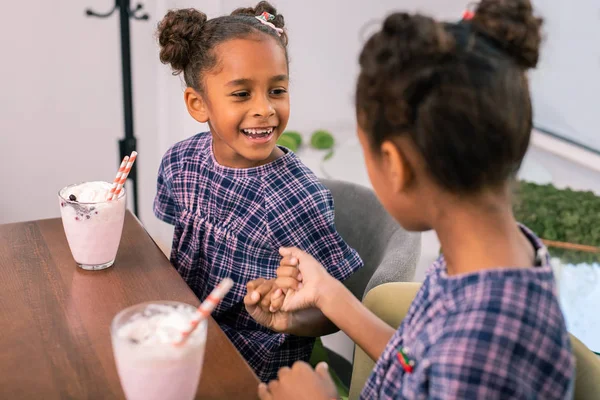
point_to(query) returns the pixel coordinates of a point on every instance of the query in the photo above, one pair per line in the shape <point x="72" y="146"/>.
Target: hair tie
<point x="469" y="13"/>
<point x="264" y="19"/>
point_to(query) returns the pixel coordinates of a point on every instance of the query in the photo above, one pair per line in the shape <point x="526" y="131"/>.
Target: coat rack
<point x="128" y="143"/>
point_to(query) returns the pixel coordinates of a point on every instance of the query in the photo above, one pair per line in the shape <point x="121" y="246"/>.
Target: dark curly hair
<point x="460" y="90"/>
<point x="188" y="38"/>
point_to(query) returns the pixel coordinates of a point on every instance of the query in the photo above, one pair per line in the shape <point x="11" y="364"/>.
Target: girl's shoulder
<point x="192" y="149"/>
<point x="512" y="316"/>
<point x="296" y="180"/>
<point x="183" y="150"/>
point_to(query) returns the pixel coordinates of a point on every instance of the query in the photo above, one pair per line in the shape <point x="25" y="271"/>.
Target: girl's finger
<point x="250" y="286"/>
<point x="263" y="392"/>
<point x="276" y="303"/>
<point x="289" y="260"/>
<point x="264" y="288"/>
<point x="266" y="301"/>
<point x="288" y="272"/>
<point x="251" y="298"/>
<point x="287" y="283"/>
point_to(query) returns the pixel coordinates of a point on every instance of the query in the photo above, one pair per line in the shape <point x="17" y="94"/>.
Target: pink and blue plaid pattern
<point x="496" y="334"/>
<point x="231" y="223"/>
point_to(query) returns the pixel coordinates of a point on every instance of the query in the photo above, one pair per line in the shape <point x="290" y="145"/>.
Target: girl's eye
<point x="278" y="92"/>
<point x="241" y="95"/>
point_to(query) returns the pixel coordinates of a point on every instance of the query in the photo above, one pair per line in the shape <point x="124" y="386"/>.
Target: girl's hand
<point x="261" y="290"/>
<point x="302" y="281"/>
<point x="257" y="301"/>
<point x="300" y="382"/>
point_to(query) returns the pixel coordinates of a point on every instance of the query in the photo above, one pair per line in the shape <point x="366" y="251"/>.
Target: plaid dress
<point x="494" y="334"/>
<point x="231" y="222"/>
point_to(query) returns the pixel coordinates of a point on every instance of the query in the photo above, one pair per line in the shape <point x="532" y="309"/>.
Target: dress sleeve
<point x="165" y="207"/>
<point x="306" y="220"/>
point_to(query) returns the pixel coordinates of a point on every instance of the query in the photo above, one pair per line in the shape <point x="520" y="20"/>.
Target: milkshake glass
<point x="93" y="225"/>
<point x="150" y="365"/>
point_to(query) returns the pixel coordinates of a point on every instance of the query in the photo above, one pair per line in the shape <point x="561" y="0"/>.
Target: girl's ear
<point x="196" y="105"/>
<point x="399" y="169"/>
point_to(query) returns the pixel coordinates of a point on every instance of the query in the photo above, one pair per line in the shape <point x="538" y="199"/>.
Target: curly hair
<point x="187" y="38"/>
<point x="460" y="90"/>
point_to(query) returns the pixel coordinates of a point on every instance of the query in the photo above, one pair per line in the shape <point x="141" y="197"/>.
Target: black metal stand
<point x="129" y="142"/>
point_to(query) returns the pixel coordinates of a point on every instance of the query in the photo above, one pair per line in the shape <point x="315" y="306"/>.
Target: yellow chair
<point x="391" y="302"/>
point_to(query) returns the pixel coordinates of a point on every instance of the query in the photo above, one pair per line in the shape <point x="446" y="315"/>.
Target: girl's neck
<point x="482" y="234"/>
<point x="228" y="157"/>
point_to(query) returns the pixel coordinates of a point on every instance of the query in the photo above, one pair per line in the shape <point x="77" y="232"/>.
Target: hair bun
<point x="512" y="25"/>
<point x="176" y="33"/>
<point x="417" y="36"/>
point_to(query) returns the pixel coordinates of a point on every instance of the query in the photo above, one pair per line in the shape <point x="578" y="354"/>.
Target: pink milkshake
<point x="150" y="365"/>
<point x="92" y="224"/>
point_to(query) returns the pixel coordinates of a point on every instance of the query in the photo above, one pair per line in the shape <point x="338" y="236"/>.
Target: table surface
<point x="55" y="317"/>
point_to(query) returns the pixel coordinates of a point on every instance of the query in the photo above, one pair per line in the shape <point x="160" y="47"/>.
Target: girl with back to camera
<point x="445" y="116"/>
<point x="232" y="194"/>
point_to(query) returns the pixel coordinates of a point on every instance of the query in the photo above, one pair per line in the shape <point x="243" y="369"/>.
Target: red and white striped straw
<point x="117" y="178"/>
<point x="207" y="307"/>
<point x="123" y="178"/>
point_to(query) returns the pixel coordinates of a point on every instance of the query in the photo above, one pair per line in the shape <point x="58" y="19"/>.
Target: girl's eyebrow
<point x="279" y="78"/>
<point x="239" y="82"/>
<point x="246" y="81"/>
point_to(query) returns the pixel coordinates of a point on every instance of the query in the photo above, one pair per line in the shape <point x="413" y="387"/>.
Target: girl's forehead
<point x="252" y="58"/>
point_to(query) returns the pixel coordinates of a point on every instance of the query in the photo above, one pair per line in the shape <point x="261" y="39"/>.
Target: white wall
<point x="566" y="84"/>
<point x="61" y="111"/>
<point x="59" y="107"/>
<point x="61" y="104"/>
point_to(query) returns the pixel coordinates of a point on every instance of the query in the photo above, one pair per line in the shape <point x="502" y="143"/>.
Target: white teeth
<point x="261" y="131"/>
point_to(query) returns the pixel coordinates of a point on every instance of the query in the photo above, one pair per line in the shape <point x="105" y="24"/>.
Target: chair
<point x="391" y="301"/>
<point x="390" y="253"/>
<point x="587" y="378"/>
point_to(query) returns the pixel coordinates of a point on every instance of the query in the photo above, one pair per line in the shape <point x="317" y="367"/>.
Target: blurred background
<point x="61" y="107"/>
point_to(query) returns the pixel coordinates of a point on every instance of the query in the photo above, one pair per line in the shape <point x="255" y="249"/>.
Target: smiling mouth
<point x="258" y="133"/>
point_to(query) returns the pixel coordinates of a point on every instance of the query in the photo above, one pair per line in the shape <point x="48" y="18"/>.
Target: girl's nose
<point x="263" y="107"/>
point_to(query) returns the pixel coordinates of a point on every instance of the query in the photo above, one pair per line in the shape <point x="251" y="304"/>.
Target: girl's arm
<point x="311" y="322"/>
<point x="339" y="310"/>
<point x="362" y="326"/>
<point x="307" y="322"/>
<point x="312" y="298"/>
<point x="307" y="284"/>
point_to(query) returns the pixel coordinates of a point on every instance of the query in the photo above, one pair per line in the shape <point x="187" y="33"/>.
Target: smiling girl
<point x="232" y="194"/>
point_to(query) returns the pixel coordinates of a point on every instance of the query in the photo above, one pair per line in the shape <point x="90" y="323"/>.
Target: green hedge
<point x="560" y="215"/>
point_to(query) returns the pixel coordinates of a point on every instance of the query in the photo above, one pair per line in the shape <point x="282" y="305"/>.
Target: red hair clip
<point x="265" y="17"/>
<point x="469" y="13"/>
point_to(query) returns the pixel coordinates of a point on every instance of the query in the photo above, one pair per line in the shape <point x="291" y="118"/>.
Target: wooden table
<point x="55" y="317"/>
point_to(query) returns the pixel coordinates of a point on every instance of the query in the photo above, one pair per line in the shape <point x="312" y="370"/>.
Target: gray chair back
<point x="389" y="252"/>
